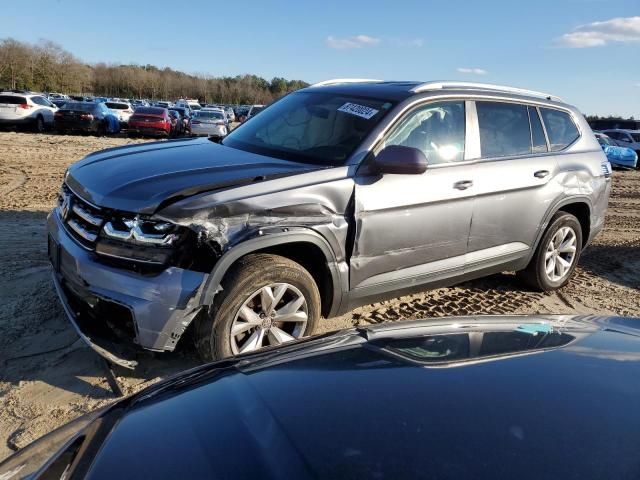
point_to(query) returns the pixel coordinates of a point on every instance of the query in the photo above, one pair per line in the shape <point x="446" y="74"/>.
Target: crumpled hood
<point x="138" y="178"/>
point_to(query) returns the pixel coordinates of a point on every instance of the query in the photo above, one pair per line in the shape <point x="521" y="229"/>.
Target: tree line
<point x="47" y="67"/>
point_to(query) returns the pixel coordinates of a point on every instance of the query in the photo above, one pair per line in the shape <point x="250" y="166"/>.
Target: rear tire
<point x="557" y="254"/>
<point x="241" y="304"/>
<point x="39" y="126"/>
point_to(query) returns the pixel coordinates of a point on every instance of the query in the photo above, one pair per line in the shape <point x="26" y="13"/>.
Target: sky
<point x="585" y="51"/>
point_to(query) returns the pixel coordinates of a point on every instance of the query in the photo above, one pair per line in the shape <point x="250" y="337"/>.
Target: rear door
<point x="414" y="228"/>
<point x="514" y="184"/>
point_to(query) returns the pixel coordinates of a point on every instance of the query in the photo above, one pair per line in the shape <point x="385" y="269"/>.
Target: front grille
<point x="82" y="220"/>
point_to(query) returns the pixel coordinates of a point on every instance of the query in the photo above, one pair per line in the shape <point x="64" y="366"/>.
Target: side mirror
<point x="400" y="160"/>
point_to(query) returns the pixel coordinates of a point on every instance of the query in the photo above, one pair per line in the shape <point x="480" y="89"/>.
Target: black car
<point x="90" y="117"/>
<point x="454" y="398"/>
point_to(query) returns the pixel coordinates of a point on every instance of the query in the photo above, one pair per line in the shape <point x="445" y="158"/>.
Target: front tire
<point x="557" y="254"/>
<point x="266" y="300"/>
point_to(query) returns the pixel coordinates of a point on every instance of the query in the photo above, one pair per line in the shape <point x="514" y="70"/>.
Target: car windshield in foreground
<point x="314" y="127"/>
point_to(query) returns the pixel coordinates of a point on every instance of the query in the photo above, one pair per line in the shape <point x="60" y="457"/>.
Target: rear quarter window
<point x="561" y="129"/>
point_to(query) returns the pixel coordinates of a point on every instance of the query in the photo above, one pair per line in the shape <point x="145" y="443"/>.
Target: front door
<point x="410" y="228"/>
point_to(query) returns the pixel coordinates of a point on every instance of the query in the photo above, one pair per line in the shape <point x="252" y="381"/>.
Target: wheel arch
<point x="578" y="206"/>
<point x="302" y="245"/>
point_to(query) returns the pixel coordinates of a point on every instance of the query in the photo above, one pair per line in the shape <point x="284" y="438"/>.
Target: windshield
<point x="314" y="127"/>
<point x="195" y="106"/>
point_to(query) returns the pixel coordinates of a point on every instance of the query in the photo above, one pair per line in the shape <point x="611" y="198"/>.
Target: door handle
<point x="541" y="173"/>
<point x="463" y="184"/>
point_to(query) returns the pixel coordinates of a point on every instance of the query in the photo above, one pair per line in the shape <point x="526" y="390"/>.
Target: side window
<point x="561" y="130"/>
<point x="613" y="135"/>
<point x="537" y="133"/>
<point x="504" y="129"/>
<point x="437" y="129"/>
<point x="39" y="101"/>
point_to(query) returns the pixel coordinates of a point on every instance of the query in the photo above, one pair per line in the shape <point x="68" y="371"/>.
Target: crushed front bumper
<point x="118" y="311"/>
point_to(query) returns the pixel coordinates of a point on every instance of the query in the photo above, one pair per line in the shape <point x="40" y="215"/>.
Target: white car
<point x="210" y="122"/>
<point x="26" y="109"/>
<point x="191" y="104"/>
<point x="625" y="138"/>
<point x="122" y="110"/>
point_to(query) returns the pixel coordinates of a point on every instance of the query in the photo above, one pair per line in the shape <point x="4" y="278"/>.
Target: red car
<point x="150" y="121"/>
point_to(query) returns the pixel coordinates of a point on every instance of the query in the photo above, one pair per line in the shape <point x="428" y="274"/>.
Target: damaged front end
<point x="139" y="280"/>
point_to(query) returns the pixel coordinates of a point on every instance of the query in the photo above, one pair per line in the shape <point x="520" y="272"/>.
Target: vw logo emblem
<point x="65" y="206"/>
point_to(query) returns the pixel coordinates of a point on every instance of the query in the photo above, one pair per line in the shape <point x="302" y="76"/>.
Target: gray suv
<point x="337" y="195"/>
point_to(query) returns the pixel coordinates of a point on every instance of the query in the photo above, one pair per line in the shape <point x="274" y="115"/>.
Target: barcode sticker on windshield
<point x="359" y="110"/>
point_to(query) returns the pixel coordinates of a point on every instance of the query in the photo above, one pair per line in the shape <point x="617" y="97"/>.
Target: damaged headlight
<point x="138" y="239"/>
<point x="139" y="231"/>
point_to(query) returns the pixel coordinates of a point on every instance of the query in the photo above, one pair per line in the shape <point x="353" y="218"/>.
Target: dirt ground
<point x="48" y="376"/>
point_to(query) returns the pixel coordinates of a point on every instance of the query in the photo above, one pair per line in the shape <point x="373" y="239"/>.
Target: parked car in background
<point x="191" y="104"/>
<point x="617" y="156"/>
<point x="625" y="138"/>
<point x="87" y="117"/>
<point x="231" y="116"/>
<point x="254" y="110"/>
<point x="101" y="99"/>
<point x="185" y="118"/>
<point x="121" y="110"/>
<point x="513" y="397"/>
<point x="210" y="122"/>
<point x="26" y="110"/>
<point x="59" y="103"/>
<point x="150" y="121"/>
<point x="162" y="104"/>
<point x="139" y="103"/>
<point x="294" y="216"/>
<point x="57" y="96"/>
<point x="241" y="113"/>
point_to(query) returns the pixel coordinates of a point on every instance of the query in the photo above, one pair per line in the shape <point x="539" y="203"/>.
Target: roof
<point x="399" y="90"/>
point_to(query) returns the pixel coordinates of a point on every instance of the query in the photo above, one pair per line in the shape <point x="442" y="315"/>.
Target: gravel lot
<point x="43" y="390"/>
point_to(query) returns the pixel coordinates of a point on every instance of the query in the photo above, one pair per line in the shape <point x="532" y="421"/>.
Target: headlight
<point x="139" y="239"/>
<point x="139" y="231"/>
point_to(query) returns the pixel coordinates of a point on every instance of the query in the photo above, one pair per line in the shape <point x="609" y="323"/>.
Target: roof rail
<point x="344" y="80"/>
<point x="439" y="85"/>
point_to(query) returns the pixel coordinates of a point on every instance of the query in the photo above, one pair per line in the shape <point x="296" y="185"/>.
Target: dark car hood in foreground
<point x="138" y="178"/>
<point x="489" y="397"/>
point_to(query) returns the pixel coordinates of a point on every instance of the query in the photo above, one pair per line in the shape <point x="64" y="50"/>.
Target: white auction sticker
<point x="359" y="110"/>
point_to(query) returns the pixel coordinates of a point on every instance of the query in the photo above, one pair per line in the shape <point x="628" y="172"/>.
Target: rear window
<point x="561" y="130"/>
<point x="256" y="110"/>
<point x="117" y="106"/>
<point x="12" y="99"/>
<point x="213" y="115"/>
<point x="83" y="107"/>
<point x="150" y="111"/>
<point x="504" y="129"/>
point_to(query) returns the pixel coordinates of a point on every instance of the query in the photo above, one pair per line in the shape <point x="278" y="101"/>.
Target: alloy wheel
<point x="274" y="314"/>
<point x="560" y="254"/>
